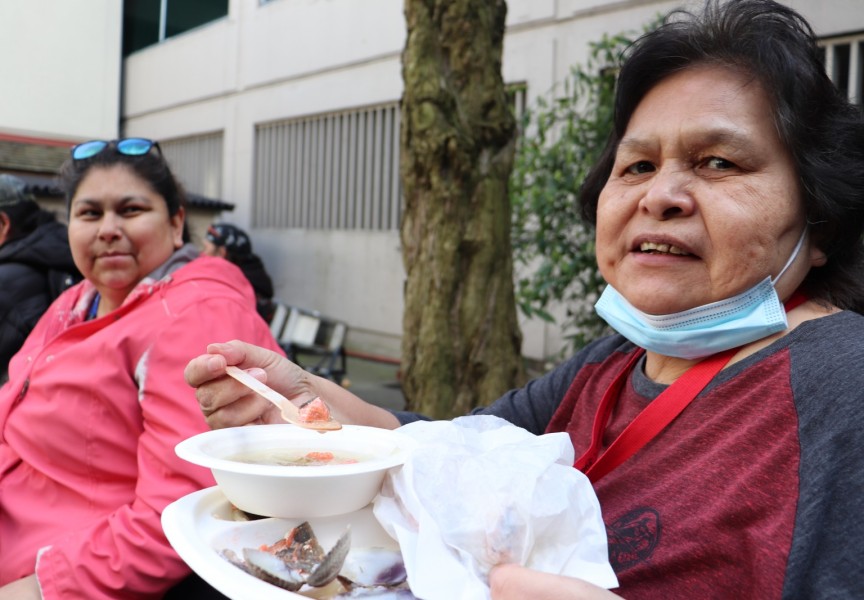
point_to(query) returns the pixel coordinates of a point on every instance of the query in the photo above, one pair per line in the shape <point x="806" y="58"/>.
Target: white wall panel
<point x="60" y="68"/>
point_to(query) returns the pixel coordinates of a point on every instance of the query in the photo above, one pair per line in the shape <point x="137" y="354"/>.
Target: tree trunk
<point x="461" y="341"/>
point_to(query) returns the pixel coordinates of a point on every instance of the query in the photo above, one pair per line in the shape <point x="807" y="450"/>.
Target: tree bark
<point x="461" y="340"/>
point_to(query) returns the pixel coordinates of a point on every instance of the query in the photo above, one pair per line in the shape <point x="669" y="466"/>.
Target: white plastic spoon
<point x="289" y="412"/>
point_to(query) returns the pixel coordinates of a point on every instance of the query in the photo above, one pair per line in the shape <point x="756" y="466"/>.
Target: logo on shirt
<point x="633" y="537"/>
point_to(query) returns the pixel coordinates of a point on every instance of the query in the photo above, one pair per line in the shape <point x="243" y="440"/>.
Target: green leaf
<point x="565" y="133"/>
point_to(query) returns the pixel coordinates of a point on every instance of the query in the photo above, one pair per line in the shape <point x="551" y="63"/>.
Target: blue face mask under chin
<point x="703" y="330"/>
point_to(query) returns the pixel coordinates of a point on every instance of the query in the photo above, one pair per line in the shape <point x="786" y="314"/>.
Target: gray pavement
<point x="375" y="382"/>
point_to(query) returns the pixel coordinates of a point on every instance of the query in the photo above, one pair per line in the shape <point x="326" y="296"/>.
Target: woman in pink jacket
<point x="96" y="399"/>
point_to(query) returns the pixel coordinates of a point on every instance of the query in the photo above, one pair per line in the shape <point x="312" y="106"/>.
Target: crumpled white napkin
<point x="478" y="491"/>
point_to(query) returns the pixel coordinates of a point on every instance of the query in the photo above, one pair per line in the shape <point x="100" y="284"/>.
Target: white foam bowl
<point x="297" y="491"/>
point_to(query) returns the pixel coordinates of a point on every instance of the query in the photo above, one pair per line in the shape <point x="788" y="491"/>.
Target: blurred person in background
<point x="96" y="401"/>
<point x="233" y="244"/>
<point x="35" y="265"/>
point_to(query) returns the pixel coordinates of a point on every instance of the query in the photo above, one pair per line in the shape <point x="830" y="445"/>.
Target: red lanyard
<point x="654" y="417"/>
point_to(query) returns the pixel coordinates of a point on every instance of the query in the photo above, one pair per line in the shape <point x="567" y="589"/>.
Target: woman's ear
<point x="817" y="257"/>
<point x="177" y="221"/>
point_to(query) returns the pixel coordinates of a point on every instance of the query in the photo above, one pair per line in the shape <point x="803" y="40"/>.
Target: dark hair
<point x="822" y="130"/>
<point x="24" y="218"/>
<point x="151" y="167"/>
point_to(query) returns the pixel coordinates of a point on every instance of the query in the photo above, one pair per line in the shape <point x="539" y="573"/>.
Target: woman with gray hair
<point x="721" y="425"/>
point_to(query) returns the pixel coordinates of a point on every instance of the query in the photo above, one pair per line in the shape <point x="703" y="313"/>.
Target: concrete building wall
<point x="60" y="68"/>
<point x="284" y="59"/>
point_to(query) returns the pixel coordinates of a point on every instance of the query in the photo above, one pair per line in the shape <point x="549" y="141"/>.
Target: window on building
<point x="332" y="171"/>
<point x="517" y="94"/>
<point x="147" y="22"/>
<point x="844" y="62"/>
<point x="197" y="162"/>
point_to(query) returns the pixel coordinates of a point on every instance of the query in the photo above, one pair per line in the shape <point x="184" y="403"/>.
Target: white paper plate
<point x="199" y="526"/>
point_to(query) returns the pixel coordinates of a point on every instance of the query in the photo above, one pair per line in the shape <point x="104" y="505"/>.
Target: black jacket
<point x="33" y="271"/>
<point x="255" y="272"/>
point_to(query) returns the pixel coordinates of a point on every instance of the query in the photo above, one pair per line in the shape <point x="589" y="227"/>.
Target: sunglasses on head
<point x="126" y="146"/>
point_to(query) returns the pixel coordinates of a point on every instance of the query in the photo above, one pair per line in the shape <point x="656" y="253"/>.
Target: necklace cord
<point x="657" y="415"/>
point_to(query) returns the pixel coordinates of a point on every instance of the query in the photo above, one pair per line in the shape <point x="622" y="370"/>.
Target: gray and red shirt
<point x="754" y="491"/>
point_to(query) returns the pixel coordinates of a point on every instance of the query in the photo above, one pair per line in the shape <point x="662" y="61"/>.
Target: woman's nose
<point x="668" y="195"/>
<point x="110" y="226"/>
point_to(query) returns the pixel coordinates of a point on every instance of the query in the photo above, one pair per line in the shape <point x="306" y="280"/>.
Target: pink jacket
<point x="88" y="424"/>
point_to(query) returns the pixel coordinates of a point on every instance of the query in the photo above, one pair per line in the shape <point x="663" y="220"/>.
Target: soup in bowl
<point x="290" y="472"/>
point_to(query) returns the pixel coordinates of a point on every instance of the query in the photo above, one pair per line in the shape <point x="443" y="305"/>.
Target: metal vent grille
<point x="197" y="162"/>
<point x="331" y="171"/>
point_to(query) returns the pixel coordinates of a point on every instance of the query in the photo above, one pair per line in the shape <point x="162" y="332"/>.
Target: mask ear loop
<point x="791" y="258"/>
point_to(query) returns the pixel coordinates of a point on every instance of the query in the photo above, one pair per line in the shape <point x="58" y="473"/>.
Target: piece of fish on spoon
<point x="289" y="412"/>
